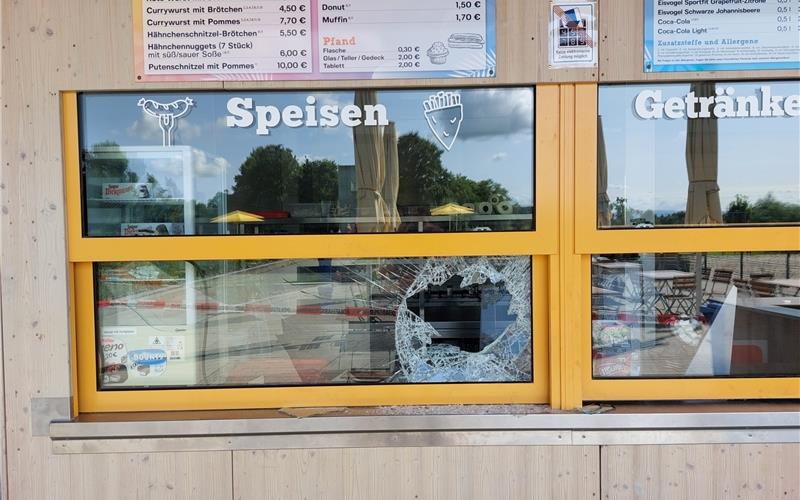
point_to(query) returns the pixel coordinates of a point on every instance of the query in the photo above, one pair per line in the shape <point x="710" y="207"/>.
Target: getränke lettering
<point x="650" y="104"/>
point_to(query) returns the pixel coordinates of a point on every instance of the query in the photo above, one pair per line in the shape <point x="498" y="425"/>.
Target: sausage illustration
<point x="166" y="114"/>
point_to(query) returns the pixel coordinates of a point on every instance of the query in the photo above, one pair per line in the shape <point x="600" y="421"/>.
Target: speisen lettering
<point x="243" y="113"/>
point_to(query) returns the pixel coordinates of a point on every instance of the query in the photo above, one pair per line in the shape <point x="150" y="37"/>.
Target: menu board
<point x="708" y="35"/>
<point x="200" y="40"/>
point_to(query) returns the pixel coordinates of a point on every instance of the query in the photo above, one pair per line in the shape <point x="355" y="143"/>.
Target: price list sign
<point x="238" y="38"/>
<point x="710" y="35"/>
<point x="205" y="40"/>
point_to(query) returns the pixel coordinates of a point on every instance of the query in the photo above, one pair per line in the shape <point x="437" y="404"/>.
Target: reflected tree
<point x="618" y="211"/>
<point x="114" y="169"/>
<point x="766" y="209"/>
<point x="771" y="209"/>
<point x="424" y="181"/>
<point x="461" y="189"/>
<point x="212" y="208"/>
<point x="672" y="218"/>
<point x="423" y="178"/>
<point x="267" y="180"/>
<point x="318" y="182"/>
<point x="738" y="210"/>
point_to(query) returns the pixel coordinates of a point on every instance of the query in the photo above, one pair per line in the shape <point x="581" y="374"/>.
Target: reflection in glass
<point x="139" y="191"/>
<point x="702" y="152"/>
<point x="309" y="176"/>
<point x="309" y="322"/>
<point x="696" y="315"/>
<point x="698" y="165"/>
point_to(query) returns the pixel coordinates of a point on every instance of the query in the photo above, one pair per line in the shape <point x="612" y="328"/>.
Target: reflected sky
<point x="495" y="141"/>
<point x="646" y="158"/>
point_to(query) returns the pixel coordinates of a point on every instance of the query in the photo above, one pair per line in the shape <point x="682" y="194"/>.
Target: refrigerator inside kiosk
<point x="146" y="311"/>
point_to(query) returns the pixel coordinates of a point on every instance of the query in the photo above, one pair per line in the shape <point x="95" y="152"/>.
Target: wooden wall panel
<point x="621" y="55"/>
<point x="430" y="473"/>
<point x="48" y="46"/>
<point x="522" y="55"/>
<point x="51" y="46"/>
<point x="131" y="476"/>
<point x="3" y="469"/>
<point x="151" y="476"/>
<point x="701" y="471"/>
<point x="120" y="476"/>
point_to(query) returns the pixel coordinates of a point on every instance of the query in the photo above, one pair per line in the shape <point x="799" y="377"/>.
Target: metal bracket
<point x="46" y="410"/>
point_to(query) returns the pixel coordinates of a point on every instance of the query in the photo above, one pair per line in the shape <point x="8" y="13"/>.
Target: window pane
<point x="312" y="322"/>
<point x="668" y="155"/>
<point x="696" y="315"/>
<point x="307" y="162"/>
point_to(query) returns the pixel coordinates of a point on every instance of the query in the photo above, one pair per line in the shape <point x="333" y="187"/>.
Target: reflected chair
<point x="706" y="280"/>
<point x="761" y="289"/>
<point x="681" y="297"/>
<point x="743" y="285"/>
<point x="720" y="282"/>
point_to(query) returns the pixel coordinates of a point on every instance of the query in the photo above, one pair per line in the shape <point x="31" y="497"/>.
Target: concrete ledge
<point x="364" y="431"/>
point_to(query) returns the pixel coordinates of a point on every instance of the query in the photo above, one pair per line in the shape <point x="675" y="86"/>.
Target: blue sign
<point x="703" y="35"/>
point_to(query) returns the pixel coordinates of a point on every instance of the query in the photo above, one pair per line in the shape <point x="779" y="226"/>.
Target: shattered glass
<point x="315" y="321"/>
<point x="506" y="359"/>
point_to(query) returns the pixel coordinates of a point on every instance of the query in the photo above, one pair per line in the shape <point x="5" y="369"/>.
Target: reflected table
<point x="788" y="286"/>
<point x="662" y="279"/>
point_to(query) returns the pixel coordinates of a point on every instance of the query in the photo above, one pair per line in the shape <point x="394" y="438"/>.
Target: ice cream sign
<point x="244" y="112"/>
<point x="444" y="114"/>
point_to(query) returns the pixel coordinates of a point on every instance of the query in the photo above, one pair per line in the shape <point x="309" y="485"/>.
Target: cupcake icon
<point x="438" y="53"/>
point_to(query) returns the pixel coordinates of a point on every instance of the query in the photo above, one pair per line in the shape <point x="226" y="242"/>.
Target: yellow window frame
<point x="591" y="240"/>
<point x="540" y="245"/>
<point x="561" y="247"/>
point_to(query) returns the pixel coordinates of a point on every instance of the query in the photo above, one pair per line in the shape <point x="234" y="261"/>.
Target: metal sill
<point x="207" y="431"/>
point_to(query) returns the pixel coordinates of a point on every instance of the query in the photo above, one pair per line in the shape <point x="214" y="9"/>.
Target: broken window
<point x="317" y="321"/>
<point x="676" y="315"/>
<point x="502" y="287"/>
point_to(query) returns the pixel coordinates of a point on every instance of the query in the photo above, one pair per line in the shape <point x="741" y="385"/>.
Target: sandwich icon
<point x="465" y="41"/>
<point x="444" y="113"/>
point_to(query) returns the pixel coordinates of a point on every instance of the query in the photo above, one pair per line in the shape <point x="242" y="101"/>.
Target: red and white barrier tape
<point x="305" y="310"/>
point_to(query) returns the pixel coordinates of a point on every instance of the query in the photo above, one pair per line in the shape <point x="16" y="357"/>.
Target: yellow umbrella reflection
<point x="702" y="204"/>
<point x="370" y="171"/>
<point x="603" y="211"/>
<point x="452" y="210"/>
<point x="391" y="185"/>
<point x="237" y="217"/>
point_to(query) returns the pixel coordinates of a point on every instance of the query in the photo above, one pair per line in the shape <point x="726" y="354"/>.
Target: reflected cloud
<point x="496" y="112"/>
<point x="499" y="156"/>
<point x="147" y="128"/>
<point x="207" y="165"/>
